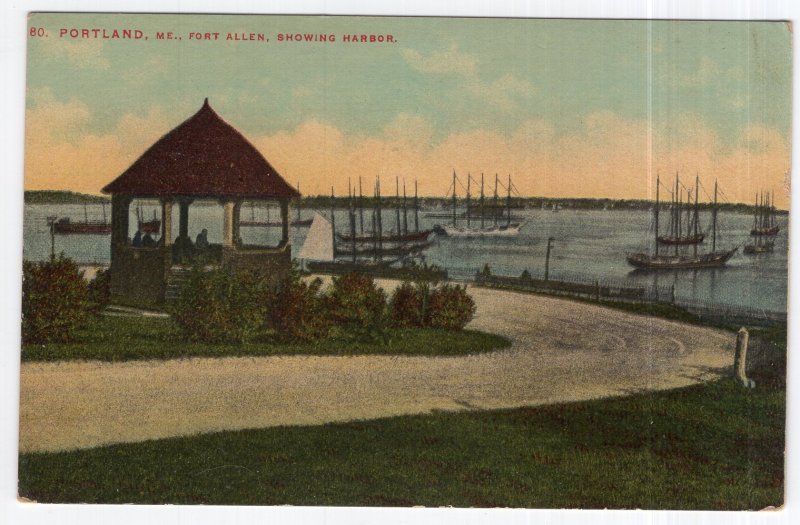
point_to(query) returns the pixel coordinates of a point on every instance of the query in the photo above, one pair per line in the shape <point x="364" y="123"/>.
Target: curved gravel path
<point x="562" y="351"/>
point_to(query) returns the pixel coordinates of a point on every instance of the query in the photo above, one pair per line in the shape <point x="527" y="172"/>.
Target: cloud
<point x="61" y="151"/>
<point x="85" y="54"/>
<point x="608" y="156"/>
<point x="499" y="93"/>
<point x="706" y="71"/>
<point x="449" y="61"/>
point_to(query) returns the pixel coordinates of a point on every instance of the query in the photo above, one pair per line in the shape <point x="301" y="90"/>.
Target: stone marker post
<point x="740" y="360"/>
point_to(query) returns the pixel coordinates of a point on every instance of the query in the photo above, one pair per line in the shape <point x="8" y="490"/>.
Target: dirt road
<point x="562" y="351"/>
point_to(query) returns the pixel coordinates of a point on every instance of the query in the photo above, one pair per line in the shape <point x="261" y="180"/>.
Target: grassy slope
<point x="126" y="338"/>
<point x="711" y="446"/>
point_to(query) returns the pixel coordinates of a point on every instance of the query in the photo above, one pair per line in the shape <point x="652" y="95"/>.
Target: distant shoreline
<point x="324" y="202"/>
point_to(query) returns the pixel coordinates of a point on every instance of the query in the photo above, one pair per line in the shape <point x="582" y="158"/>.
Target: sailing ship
<point x="468" y="230"/>
<point x="678" y="235"/>
<point x="372" y="252"/>
<point x="66" y="226"/>
<point x="401" y="233"/>
<point x="151" y="226"/>
<point x="298" y="222"/>
<point x="764" y="227"/>
<point x="678" y="260"/>
<point x="764" y="219"/>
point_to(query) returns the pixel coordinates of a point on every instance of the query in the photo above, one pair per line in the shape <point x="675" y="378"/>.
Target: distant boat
<point x="66" y="226"/>
<point x="683" y="233"/>
<point x="764" y="217"/>
<point x="477" y="226"/>
<point x="678" y="260"/>
<point x="151" y="226"/>
<point x="252" y="221"/>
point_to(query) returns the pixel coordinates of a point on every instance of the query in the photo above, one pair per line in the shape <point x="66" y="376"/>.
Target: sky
<point x="568" y="108"/>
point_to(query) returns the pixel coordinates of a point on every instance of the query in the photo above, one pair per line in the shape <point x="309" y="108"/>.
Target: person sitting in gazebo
<point x="148" y="241"/>
<point x="201" y="242"/>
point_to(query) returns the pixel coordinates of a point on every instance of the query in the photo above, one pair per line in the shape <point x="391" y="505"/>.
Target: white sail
<point x="318" y="245"/>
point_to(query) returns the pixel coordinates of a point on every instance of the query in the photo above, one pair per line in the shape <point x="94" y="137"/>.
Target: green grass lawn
<point x="127" y="338"/>
<point x="710" y="446"/>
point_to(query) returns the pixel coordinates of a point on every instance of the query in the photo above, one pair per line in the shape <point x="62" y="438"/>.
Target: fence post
<point x="740" y="360"/>
<point x="672" y="294"/>
<point x="597" y="289"/>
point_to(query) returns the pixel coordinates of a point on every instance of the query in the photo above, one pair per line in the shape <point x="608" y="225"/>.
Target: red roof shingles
<point x="203" y="157"/>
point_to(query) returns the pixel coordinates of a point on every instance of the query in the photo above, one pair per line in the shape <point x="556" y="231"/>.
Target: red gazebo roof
<point x="203" y="157"/>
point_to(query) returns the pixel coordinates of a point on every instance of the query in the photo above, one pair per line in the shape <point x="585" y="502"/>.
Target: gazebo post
<point x="284" y="221"/>
<point x="228" y="207"/>
<point x="237" y="215"/>
<point x="183" y="220"/>
<point x="166" y="222"/>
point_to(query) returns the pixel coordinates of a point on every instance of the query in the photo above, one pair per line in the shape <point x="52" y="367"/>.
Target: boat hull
<point x="666" y="262"/>
<point x="510" y="230"/>
<point x="757" y="232"/>
<point x="681" y="241"/>
<point x="153" y="226"/>
<point x="86" y="228"/>
<point x="408" y="237"/>
<point x="272" y="224"/>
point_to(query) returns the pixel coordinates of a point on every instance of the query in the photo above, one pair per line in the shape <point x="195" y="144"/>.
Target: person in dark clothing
<point x="148" y="241"/>
<point x="137" y="240"/>
<point x="201" y="242"/>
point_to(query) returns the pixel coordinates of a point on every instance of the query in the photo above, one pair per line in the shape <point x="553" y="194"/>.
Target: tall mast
<point x="755" y="213"/>
<point x="333" y="222"/>
<point x="299" y="198"/>
<point x="379" y="219"/>
<point x="469" y="179"/>
<point x="494" y="208"/>
<point x="696" y="204"/>
<point x="351" y="215"/>
<point x="416" y="207"/>
<point x="508" y="202"/>
<point x="676" y="213"/>
<point x="397" y="204"/>
<point x="405" y="210"/>
<point x="770" y="208"/>
<point x="483" y="215"/>
<point x="714" y="221"/>
<point x="454" y="198"/>
<point x="360" y="206"/>
<point x="655" y="210"/>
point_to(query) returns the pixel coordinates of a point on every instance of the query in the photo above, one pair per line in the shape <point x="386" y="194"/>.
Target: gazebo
<point x="204" y="158"/>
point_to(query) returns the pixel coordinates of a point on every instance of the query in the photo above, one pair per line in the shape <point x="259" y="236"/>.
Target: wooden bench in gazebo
<point x="204" y="158"/>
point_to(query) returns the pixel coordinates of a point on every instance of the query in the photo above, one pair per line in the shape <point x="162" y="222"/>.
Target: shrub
<point x="221" y="305"/>
<point x="450" y="307"/>
<point x="526" y="275"/>
<point x="55" y="301"/>
<point x="407" y="305"/>
<point x="355" y="301"/>
<point x="297" y="309"/>
<point x="486" y="271"/>
<point x="100" y="291"/>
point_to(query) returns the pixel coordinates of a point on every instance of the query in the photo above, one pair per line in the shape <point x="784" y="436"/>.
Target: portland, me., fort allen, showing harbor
<point x="399" y="262"/>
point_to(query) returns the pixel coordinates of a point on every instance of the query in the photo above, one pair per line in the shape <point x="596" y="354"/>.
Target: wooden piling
<point x="740" y="359"/>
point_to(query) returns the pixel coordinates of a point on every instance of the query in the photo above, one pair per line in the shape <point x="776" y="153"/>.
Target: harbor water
<point x="587" y="244"/>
